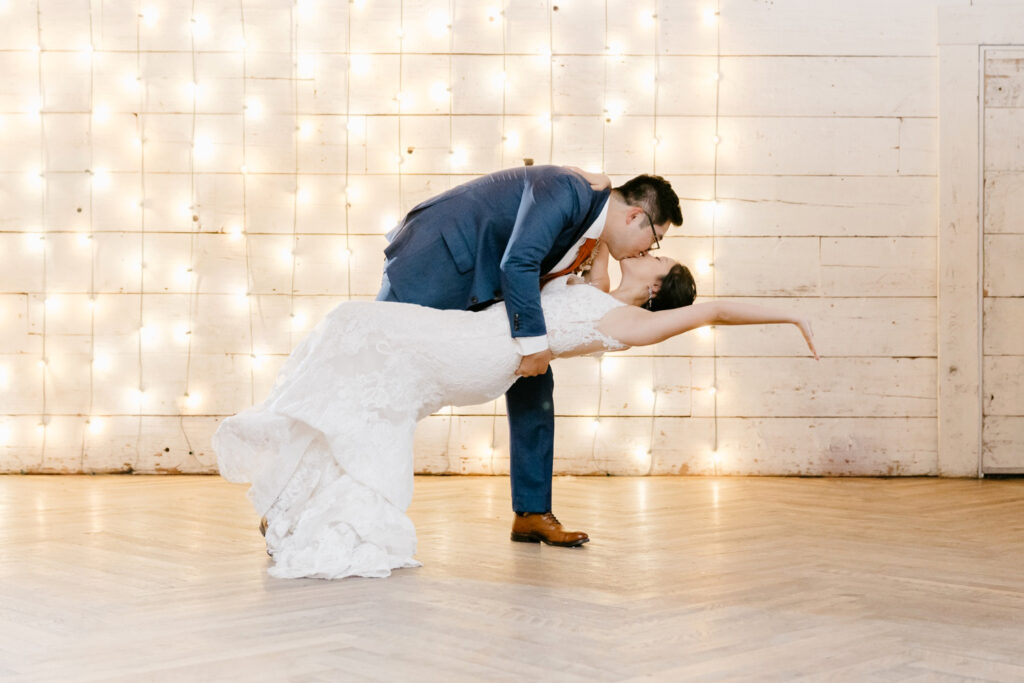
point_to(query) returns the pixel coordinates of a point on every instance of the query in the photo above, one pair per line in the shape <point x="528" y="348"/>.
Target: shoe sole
<point x="536" y="538"/>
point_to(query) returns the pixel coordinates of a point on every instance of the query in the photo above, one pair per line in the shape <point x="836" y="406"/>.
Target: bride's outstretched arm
<point x="638" y="327"/>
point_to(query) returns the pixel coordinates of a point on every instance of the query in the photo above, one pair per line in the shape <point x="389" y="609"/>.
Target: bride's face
<point x="644" y="271"/>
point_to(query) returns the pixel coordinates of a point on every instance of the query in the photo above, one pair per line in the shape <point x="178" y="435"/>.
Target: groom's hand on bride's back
<point x="535" y="363"/>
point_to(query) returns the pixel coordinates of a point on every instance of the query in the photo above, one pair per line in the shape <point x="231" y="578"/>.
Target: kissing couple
<point x="480" y="293"/>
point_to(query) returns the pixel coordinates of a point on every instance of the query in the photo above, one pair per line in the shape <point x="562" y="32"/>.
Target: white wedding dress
<point x="330" y="452"/>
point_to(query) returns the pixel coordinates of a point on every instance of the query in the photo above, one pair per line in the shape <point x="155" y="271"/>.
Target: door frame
<point x="964" y="35"/>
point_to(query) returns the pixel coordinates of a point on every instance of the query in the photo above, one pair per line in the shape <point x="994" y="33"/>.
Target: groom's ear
<point x="632" y="212"/>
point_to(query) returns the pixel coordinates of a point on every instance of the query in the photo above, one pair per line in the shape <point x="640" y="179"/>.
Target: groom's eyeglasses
<point x="650" y="221"/>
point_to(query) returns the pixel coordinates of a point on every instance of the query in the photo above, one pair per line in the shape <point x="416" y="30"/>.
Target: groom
<point x="500" y="237"/>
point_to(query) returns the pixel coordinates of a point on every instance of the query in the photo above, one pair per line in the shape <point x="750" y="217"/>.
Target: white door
<point x="1003" y="261"/>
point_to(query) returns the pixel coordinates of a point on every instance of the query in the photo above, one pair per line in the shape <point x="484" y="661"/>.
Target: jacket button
<point x="474" y="300"/>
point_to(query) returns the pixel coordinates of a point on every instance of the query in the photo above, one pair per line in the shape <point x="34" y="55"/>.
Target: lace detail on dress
<point x="572" y="312"/>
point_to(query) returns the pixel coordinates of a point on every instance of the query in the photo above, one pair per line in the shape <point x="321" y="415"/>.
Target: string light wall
<point x="243" y="161"/>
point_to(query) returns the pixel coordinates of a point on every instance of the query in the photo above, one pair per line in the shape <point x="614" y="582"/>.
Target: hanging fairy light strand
<point x="715" y="456"/>
<point x="93" y="424"/>
<point x="653" y="396"/>
<point x="296" y="320"/>
<point x="44" y="230"/>
<point x="242" y="231"/>
<point x="191" y="398"/>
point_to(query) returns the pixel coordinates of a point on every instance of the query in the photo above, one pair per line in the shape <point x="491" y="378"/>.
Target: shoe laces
<point x="550" y="516"/>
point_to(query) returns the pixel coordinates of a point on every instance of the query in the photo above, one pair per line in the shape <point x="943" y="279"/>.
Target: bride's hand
<point x="805" y="329"/>
<point x="598" y="181"/>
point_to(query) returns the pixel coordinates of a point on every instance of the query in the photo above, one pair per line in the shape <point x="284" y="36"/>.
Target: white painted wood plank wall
<point x="826" y="177"/>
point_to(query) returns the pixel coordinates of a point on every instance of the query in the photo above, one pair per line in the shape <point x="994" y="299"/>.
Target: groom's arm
<point x="548" y="206"/>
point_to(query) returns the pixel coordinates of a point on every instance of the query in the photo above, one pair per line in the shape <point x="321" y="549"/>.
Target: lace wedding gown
<point x="330" y="452"/>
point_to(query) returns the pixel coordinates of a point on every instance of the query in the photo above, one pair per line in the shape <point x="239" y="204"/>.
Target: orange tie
<point x="583" y="255"/>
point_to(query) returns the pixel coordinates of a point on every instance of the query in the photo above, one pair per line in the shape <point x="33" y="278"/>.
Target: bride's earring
<point x="650" y="296"/>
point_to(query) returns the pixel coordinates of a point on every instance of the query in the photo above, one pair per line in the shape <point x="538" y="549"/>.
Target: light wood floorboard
<point x="129" y="578"/>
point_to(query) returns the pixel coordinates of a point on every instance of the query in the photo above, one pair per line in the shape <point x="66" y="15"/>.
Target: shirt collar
<point x="597" y="227"/>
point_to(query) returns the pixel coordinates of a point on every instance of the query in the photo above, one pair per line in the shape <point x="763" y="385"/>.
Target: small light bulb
<point x="595" y="425"/>
<point x="253" y="108"/>
<point x="439" y="91"/>
<point x="712" y="390"/>
<point x="193" y="399"/>
<point x="306" y="66"/>
<point x="359" y="64"/>
<point x="150" y="15"/>
<point x="704" y="332"/>
<point x="101" y="363"/>
<point x="641" y="453"/>
<point x="703" y="266"/>
<point x="235" y="231"/>
<point x="710" y="16"/>
<point x="95" y="425"/>
<point x="100" y="178"/>
<point x="200" y="29"/>
<point x="100" y="113"/>
<point x="613" y="110"/>
<point x="344" y="253"/>
<point x="511" y="139"/>
<point x="356" y="125"/>
<point x="203" y="148"/>
<point x="298" y="320"/>
<point x="303" y="195"/>
<point x="716" y="139"/>
<point x="439" y="24"/>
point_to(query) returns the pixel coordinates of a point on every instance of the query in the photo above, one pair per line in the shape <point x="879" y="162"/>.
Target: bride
<point x="329" y="453"/>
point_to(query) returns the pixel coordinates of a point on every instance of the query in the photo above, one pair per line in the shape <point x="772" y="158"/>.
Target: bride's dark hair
<point x="677" y="290"/>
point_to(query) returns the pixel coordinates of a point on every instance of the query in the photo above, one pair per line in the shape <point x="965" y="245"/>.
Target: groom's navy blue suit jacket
<point x="492" y="238"/>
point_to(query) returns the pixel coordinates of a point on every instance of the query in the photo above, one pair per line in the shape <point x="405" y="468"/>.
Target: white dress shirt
<point x="528" y="345"/>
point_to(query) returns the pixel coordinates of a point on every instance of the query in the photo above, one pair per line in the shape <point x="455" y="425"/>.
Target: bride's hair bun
<point x="677" y="290"/>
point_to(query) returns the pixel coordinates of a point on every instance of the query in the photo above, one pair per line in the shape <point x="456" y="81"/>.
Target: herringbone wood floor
<point x="136" y="578"/>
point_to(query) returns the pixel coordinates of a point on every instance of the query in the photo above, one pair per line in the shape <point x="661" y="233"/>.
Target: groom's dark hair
<point x="653" y="194"/>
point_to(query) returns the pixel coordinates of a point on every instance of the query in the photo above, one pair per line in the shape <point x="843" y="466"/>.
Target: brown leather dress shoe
<point x="263" y="530"/>
<point x="534" y="528"/>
